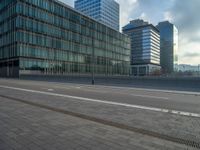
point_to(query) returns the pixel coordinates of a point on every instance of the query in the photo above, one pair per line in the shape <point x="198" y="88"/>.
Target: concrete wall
<point x="169" y="83"/>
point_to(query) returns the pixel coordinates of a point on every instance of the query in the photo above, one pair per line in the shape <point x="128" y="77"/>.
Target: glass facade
<point x="169" y="46"/>
<point x="48" y="37"/>
<point x="105" y="11"/>
<point x="145" y="46"/>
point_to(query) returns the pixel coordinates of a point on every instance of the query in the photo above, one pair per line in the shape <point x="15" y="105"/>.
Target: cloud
<point x="68" y="2"/>
<point x="144" y="17"/>
<point x="168" y="16"/>
<point x="190" y="60"/>
<point x="191" y="55"/>
<point x="126" y="9"/>
<point x="185" y="15"/>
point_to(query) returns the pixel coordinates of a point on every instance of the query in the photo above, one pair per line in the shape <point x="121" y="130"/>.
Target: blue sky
<point x="183" y="13"/>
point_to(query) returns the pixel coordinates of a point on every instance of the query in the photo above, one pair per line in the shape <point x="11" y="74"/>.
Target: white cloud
<point x="68" y="2"/>
<point x="185" y="16"/>
<point x="198" y="33"/>
<point x="189" y="53"/>
<point x="126" y="9"/>
<point x="168" y="16"/>
<point x="144" y="17"/>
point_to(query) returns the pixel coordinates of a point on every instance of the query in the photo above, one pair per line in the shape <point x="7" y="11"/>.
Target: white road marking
<point x="114" y="87"/>
<point x="46" y="89"/>
<point x="148" y="96"/>
<point x="96" y="91"/>
<point x="154" y="90"/>
<point x="130" y="88"/>
<point x="107" y="102"/>
<point x="50" y="90"/>
<point x="60" y="87"/>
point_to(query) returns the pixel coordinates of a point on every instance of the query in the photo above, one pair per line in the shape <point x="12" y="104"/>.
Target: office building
<point x="187" y="68"/>
<point x="168" y="46"/>
<point x="105" y="11"/>
<point x="47" y="37"/>
<point x="145" y="47"/>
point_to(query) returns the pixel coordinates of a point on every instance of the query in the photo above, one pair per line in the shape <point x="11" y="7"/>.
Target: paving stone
<point x="45" y="129"/>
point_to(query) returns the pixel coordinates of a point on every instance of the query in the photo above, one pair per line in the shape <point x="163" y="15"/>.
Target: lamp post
<point x="93" y="60"/>
<point x="92" y="66"/>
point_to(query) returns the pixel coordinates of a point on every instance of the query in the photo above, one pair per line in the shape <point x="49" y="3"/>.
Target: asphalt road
<point x="162" y="115"/>
<point x="173" y="100"/>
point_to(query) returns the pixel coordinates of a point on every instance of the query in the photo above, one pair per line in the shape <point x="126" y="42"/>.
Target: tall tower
<point x="104" y="11"/>
<point x="168" y="46"/>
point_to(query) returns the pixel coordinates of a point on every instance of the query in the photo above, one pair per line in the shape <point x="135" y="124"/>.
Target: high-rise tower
<point x="104" y="11"/>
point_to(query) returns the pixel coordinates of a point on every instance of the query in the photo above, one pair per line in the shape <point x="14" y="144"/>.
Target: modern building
<point x="188" y="68"/>
<point x="145" y="47"/>
<point x="105" y="11"/>
<point x="47" y="37"/>
<point x="168" y="46"/>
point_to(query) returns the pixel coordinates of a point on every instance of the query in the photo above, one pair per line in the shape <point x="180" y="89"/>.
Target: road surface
<point x="50" y="115"/>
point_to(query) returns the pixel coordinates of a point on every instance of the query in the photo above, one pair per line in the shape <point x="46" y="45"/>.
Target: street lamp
<point x="92" y="66"/>
<point x="93" y="60"/>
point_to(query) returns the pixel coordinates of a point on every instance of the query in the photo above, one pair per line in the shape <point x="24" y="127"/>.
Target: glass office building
<point x="47" y="37"/>
<point x="168" y="46"/>
<point x="145" y="47"/>
<point x="105" y="11"/>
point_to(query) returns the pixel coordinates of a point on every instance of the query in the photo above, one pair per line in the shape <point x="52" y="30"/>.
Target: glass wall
<point x="9" y="60"/>
<point x="50" y="38"/>
<point x="145" y="45"/>
<point x="105" y="11"/>
<point x="169" y="46"/>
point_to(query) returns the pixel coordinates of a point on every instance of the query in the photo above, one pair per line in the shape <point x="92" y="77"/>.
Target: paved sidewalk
<point x="26" y="127"/>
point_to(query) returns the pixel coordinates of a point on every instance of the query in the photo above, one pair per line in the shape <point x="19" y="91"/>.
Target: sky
<point x="184" y="14"/>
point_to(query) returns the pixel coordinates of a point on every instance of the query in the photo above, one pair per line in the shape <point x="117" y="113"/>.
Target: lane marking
<point x="114" y="87"/>
<point x="97" y="91"/>
<point x="107" y="102"/>
<point x="153" y="90"/>
<point x="50" y="90"/>
<point x="60" y="87"/>
<point x="46" y="89"/>
<point x="148" y="96"/>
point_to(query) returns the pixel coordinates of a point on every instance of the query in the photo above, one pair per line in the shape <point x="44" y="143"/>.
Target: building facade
<point x="105" y="11"/>
<point x="145" y="47"/>
<point x="47" y="37"/>
<point x="168" y="46"/>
